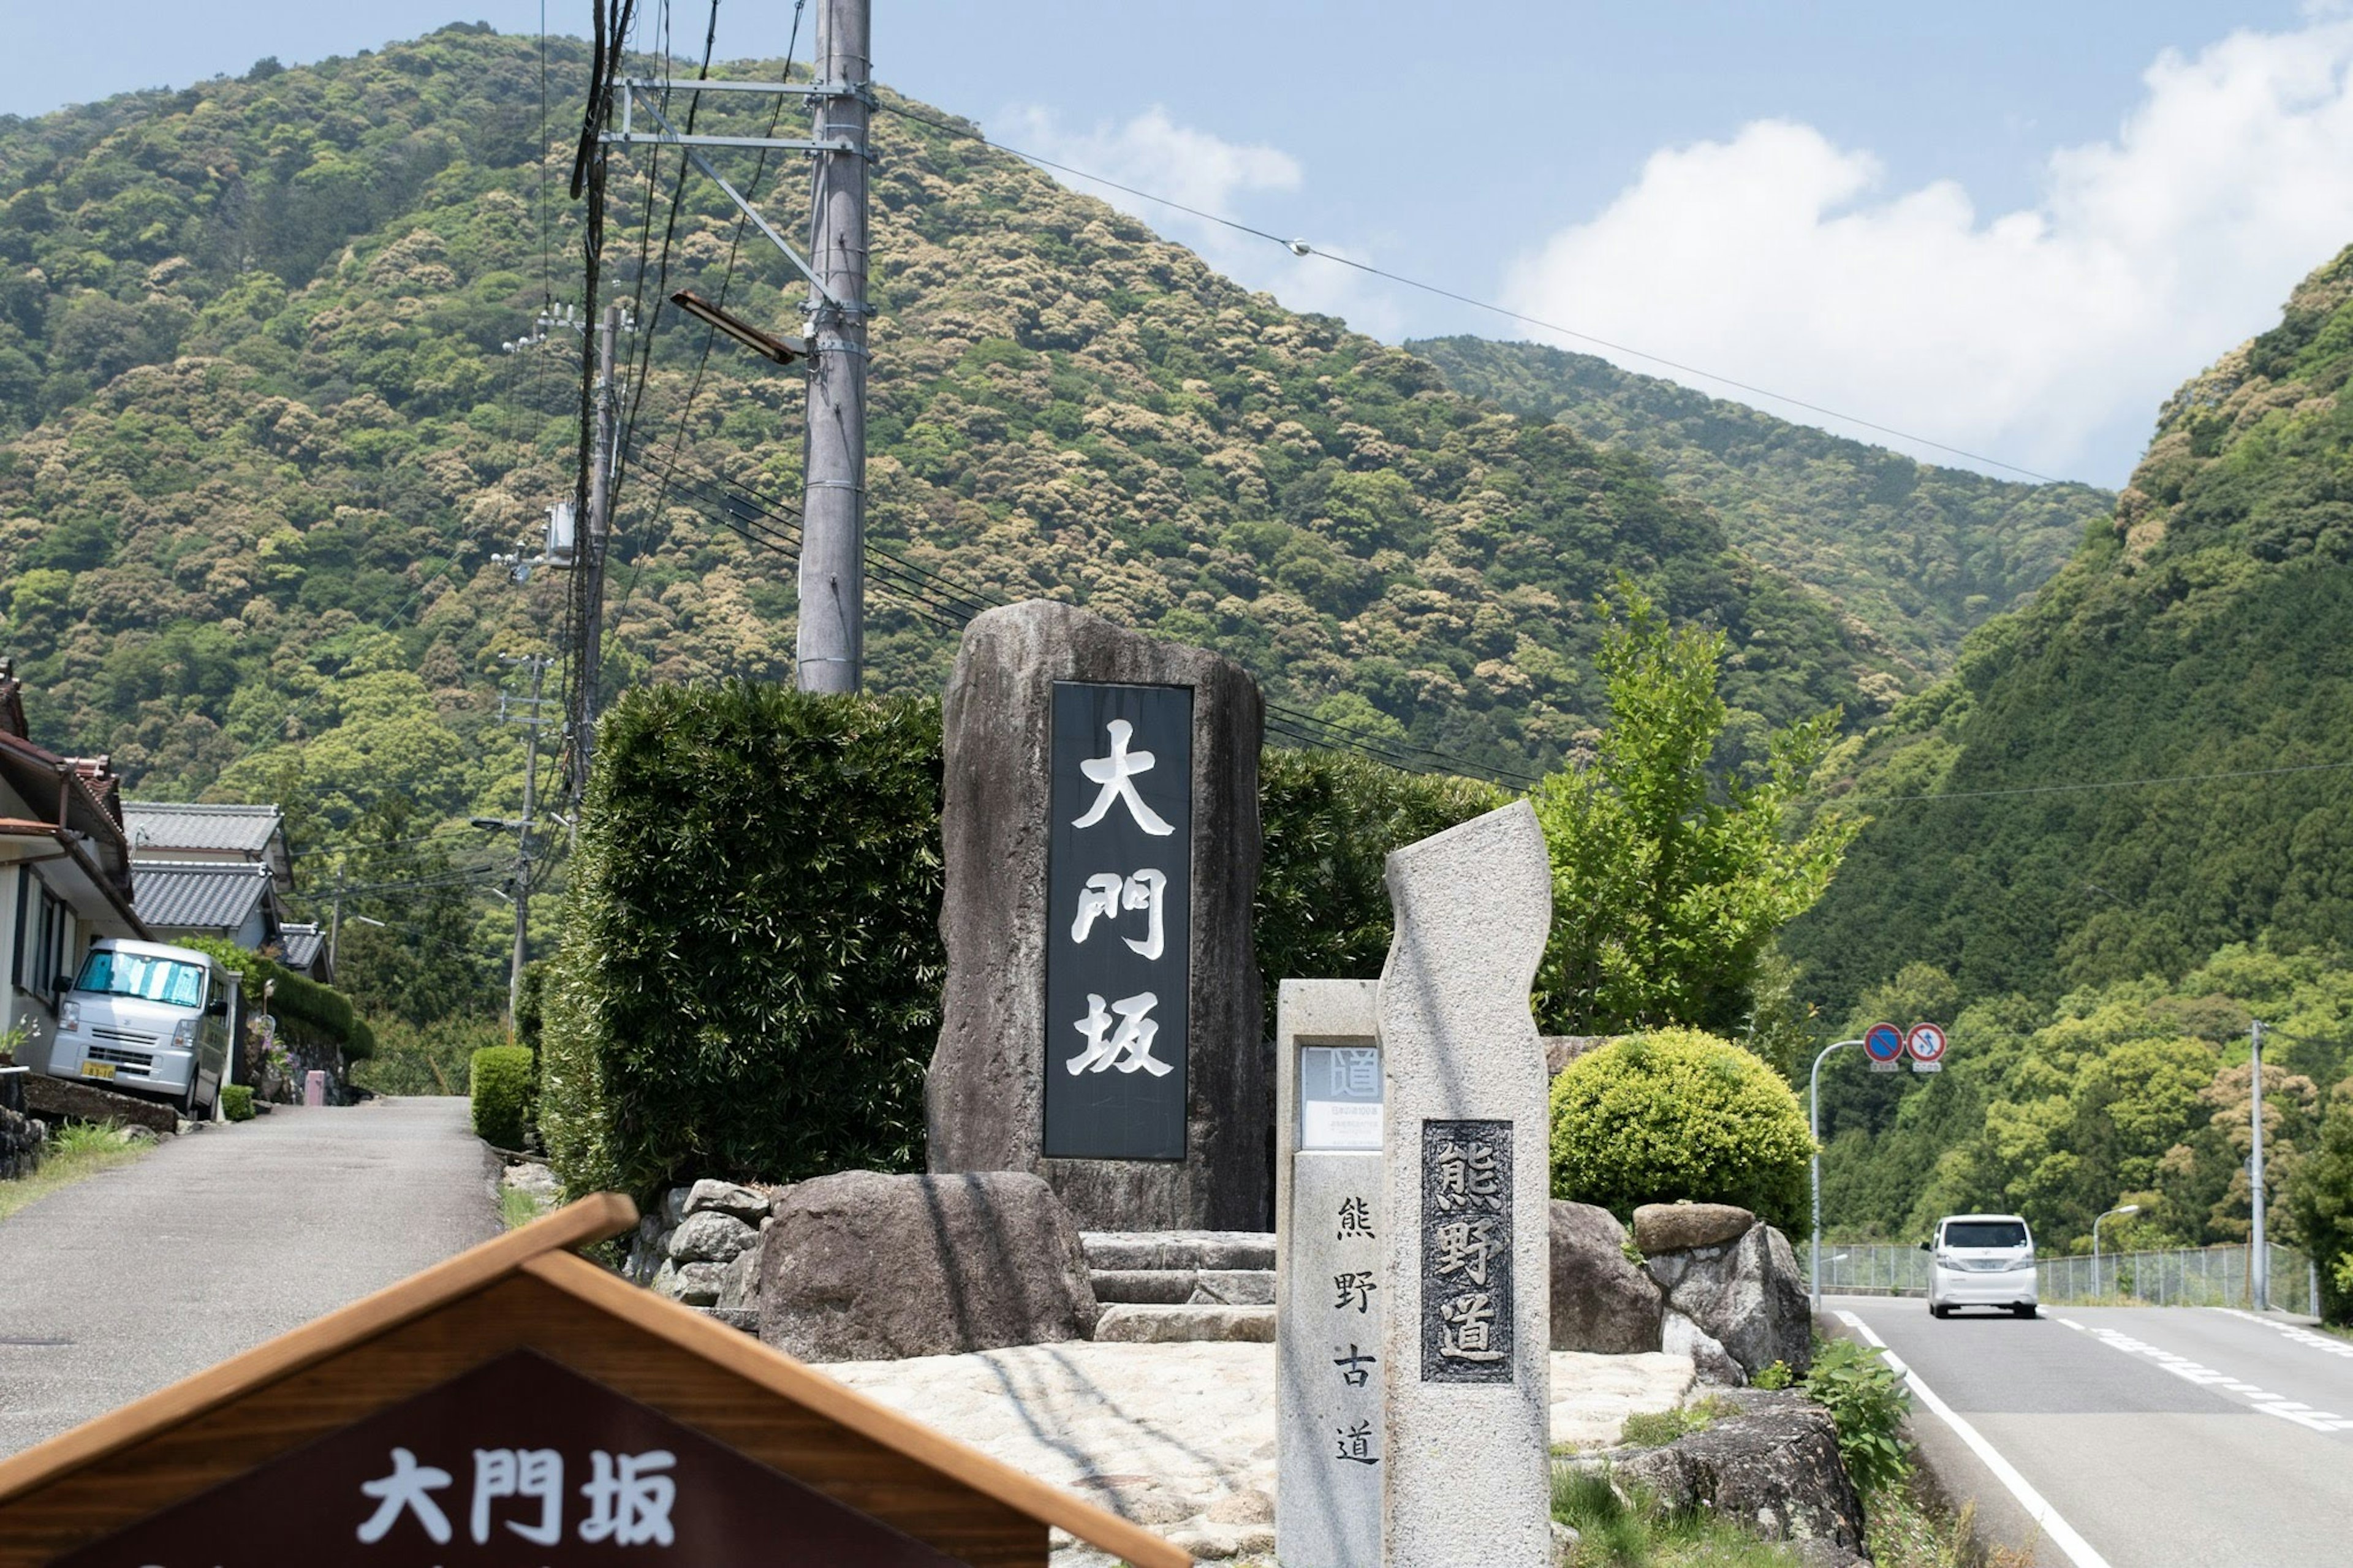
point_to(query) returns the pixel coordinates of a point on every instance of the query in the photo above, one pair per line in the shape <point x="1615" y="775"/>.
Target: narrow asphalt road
<point x="2139" y="1437"/>
<point x="121" y="1284"/>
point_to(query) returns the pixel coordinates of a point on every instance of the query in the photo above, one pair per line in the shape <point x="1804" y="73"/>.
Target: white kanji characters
<point x="1116" y="774"/>
<point x="532" y="1473"/>
<point x="630" y="1499"/>
<point x="1129" y="1048"/>
<point x="1469" y="1323"/>
<point x="1467" y="1177"/>
<point x="405" y="1490"/>
<point x="1107" y="892"/>
<point x="1463" y="1247"/>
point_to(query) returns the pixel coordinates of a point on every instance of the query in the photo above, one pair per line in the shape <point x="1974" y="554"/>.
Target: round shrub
<point x="237" y="1101"/>
<point x="1678" y="1115"/>
<point x="503" y="1078"/>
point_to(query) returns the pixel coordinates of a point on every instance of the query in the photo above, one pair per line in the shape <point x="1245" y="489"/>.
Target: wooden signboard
<point x="520" y="1407"/>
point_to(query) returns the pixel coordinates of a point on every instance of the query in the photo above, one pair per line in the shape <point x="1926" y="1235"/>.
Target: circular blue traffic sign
<point x="1884" y="1043"/>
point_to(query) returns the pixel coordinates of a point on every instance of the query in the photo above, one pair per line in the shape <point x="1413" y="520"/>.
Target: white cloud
<point x="2045" y="336"/>
<point x="1206" y="171"/>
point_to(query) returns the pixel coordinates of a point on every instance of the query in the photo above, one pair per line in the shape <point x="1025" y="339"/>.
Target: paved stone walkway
<point x="1180" y="1437"/>
<point x="220" y="1239"/>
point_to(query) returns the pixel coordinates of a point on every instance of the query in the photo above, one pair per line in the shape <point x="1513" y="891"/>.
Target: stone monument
<point x="1331" y="1285"/>
<point x="1101" y="1022"/>
<point x="1466" y="1379"/>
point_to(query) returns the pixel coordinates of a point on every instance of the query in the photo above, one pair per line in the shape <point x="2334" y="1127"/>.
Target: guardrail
<point x="2187" y="1277"/>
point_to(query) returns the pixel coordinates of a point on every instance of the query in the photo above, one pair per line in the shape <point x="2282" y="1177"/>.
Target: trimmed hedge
<point x="750" y="980"/>
<point x="503" y="1080"/>
<point x="237" y="1101"/>
<point x="1679" y="1114"/>
<point x="1330" y="819"/>
<point x="749" y="985"/>
<point x="304" y="1009"/>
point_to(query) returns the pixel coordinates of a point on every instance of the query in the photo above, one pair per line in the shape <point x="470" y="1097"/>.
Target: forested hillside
<point x="1918" y="553"/>
<point x="263" y="438"/>
<point x="2203" y="632"/>
<point x="2120" y="832"/>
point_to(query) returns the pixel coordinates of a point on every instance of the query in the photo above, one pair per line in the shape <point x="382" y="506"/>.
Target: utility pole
<point x="538" y="667"/>
<point x="2259" y="1283"/>
<point x="335" y="922"/>
<point x="832" y="634"/>
<point x="596" y="537"/>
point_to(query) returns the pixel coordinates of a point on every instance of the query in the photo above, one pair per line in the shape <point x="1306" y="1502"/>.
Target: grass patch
<point x="1621" y="1530"/>
<point x="1657" y="1429"/>
<point x="78" y="1149"/>
<point x="517" y="1207"/>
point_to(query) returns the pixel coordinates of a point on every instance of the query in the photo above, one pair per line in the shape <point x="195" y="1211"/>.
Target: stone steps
<point x="1143" y="1324"/>
<point x="1182" y="1286"/>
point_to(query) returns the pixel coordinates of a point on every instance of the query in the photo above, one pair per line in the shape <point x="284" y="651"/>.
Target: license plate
<point x="98" y="1069"/>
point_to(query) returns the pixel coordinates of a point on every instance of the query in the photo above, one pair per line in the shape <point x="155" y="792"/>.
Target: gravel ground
<point x="1180" y="1437"/>
<point x="220" y="1239"/>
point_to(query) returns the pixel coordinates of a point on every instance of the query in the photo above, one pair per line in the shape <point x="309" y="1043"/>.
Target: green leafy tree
<point x="1667" y="884"/>
<point x="2321" y="1198"/>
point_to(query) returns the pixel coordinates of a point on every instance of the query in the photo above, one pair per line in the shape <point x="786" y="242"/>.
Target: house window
<point x="41" y="951"/>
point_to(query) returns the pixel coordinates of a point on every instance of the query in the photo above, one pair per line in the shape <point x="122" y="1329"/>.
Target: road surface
<point x="2137" y="1437"/>
<point x="121" y="1284"/>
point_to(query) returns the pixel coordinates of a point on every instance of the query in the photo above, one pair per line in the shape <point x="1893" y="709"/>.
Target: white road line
<point x="2046" y="1518"/>
<point x="2324" y="1343"/>
<point x="2189" y="1371"/>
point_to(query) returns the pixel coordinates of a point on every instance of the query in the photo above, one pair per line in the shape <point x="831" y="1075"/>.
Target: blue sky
<point x="2012" y="228"/>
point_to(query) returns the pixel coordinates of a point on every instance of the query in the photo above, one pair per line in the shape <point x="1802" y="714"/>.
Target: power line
<point x="1302" y="248"/>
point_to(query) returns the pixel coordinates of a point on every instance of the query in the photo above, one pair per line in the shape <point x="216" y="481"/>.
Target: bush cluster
<point x="505" y="1081"/>
<point x="1678" y="1115"/>
<point x="237" y="1101"/>
<point x="750" y="980"/>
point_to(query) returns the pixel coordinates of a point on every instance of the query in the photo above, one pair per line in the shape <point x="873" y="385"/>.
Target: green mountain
<point x="259" y="437"/>
<point x="2151" y="760"/>
<point x="1918" y="554"/>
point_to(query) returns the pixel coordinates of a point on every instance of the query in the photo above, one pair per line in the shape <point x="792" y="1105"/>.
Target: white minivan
<point x="149" y="1019"/>
<point x="1982" y="1260"/>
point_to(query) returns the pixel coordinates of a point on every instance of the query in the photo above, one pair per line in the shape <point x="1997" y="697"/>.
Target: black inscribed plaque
<point x="1119" y="878"/>
<point x="1466" y="1252"/>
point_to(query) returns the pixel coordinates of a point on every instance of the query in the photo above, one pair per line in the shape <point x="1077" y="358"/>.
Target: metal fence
<point x="2190" y="1277"/>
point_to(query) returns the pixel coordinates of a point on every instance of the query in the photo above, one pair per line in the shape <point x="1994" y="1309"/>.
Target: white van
<point x="1982" y="1260"/>
<point x="147" y="1019"/>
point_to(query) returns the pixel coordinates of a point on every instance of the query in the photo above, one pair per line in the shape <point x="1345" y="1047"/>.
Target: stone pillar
<point x="986" y="1098"/>
<point x="1331" y="1291"/>
<point x="1467" y="1475"/>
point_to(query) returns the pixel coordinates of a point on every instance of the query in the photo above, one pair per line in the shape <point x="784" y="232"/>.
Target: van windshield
<point x="144" y="975"/>
<point x="1985" y="1233"/>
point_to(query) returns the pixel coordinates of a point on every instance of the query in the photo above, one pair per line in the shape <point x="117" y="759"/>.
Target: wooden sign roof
<point x="518" y="1406"/>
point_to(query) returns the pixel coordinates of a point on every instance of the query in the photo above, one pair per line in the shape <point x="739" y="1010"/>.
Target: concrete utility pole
<point x="831" y="651"/>
<point x="523" y="852"/>
<point x="2259" y="1271"/>
<point x="597" y="536"/>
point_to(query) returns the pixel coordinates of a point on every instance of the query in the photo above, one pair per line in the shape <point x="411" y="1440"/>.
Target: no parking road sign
<point x="1926" y="1043"/>
<point x="1884" y="1044"/>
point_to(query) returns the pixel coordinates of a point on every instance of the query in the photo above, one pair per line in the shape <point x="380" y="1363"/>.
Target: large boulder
<point x="1773" y="1467"/>
<point x="1678" y="1227"/>
<point x="1748" y="1296"/>
<point x="865" y="1267"/>
<point x="1601" y="1302"/>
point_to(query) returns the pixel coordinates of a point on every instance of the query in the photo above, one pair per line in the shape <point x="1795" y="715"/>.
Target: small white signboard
<point x="1340" y="1097"/>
